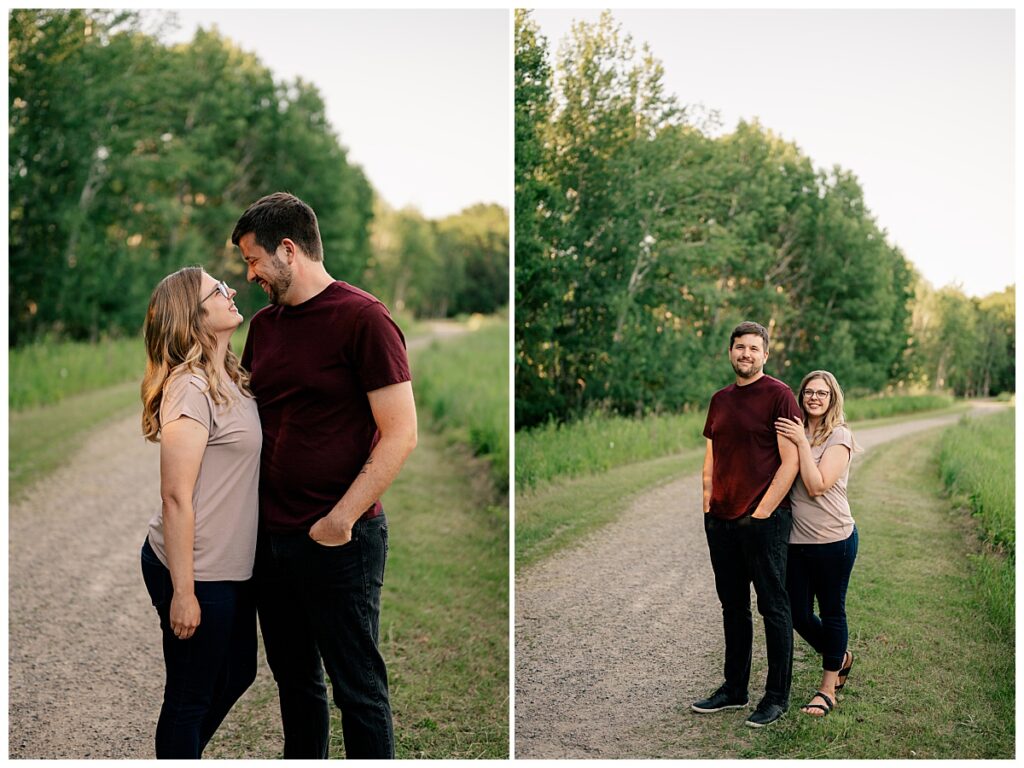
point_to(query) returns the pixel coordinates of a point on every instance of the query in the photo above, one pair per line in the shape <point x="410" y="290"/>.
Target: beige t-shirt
<point x="226" y="494"/>
<point x="826" y="518"/>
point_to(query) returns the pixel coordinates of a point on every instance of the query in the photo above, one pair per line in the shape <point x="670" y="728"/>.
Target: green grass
<point x="462" y="385"/>
<point x="42" y="439"/>
<point x="47" y="372"/>
<point x="932" y="679"/>
<point x="976" y="464"/>
<point x="864" y="408"/>
<point x="598" y="442"/>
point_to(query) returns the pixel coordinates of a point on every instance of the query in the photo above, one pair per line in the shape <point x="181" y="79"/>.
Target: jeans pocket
<point x="158" y="582"/>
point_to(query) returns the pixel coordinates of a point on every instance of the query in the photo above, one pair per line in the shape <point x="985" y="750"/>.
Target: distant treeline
<point x="130" y="158"/>
<point x="440" y="268"/>
<point x="642" y="240"/>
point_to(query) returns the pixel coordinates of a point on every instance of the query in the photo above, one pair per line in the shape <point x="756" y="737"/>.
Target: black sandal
<point x="825" y="708"/>
<point x="844" y="672"/>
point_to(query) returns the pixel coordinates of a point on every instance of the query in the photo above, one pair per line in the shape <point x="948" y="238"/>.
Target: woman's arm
<point x="821" y="476"/>
<point x="182" y="444"/>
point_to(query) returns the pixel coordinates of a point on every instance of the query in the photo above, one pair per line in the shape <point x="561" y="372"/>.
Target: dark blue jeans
<point x="822" y="571"/>
<point x="207" y="673"/>
<point x="322" y="604"/>
<point x="745" y="551"/>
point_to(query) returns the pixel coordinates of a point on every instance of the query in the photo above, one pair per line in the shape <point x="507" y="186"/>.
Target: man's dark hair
<point x="274" y="217"/>
<point x="748" y="327"/>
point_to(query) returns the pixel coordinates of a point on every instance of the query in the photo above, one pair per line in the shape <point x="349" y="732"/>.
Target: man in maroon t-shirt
<point x="332" y="384"/>
<point x="748" y="471"/>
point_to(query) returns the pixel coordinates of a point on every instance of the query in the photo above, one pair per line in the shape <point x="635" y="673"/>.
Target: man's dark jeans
<point x="318" y="602"/>
<point x="207" y="673"/>
<point x="822" y="571"/>
<point x="743" y="551"/>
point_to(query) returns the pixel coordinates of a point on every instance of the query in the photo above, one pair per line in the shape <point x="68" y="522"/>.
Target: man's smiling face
<point x="748" y="355"/>
<point x="273" y="274"/>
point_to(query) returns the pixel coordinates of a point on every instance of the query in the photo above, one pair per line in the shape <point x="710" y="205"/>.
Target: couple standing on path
<point x="271" y="471"/>
<point x="776" y="515"/>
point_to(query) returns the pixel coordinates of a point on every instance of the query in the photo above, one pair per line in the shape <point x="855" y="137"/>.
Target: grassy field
<point x="462" y="384"/>
<point x="933" y="677"/>
<point x="976" y="462"/>
<point x="43" y="438"/>
<point x="47" y="372"/>
<point x="598" y="442"/>
<point x="864" y="408"/>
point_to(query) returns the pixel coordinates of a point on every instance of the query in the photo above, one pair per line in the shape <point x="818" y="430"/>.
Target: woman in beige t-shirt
<point x="823" y="540"/>
<point x="197" y="559"/>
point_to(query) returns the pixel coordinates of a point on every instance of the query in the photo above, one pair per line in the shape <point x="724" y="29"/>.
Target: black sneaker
<point x="765" y="714"/>
<point x="717" y="701"/>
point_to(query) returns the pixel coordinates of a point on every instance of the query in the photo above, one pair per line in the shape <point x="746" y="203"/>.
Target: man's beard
<point x="278" y="283"/>
<point x="754" y="370"/>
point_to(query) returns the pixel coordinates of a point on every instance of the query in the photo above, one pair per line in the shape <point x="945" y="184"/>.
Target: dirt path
<point x="617" y="636"/>
<point x="85" y="670"/>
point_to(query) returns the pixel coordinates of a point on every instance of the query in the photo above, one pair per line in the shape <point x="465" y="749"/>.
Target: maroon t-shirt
<point x="741" y="427"/>
<point x="312" y="365"/>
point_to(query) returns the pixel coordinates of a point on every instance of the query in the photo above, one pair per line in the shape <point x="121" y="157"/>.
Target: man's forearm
<point x="376" y="476"/>
<point x="778" y="489"/>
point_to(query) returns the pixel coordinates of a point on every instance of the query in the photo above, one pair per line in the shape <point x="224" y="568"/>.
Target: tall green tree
<point x="643" y="238"/>
<point x="130" y="158"/>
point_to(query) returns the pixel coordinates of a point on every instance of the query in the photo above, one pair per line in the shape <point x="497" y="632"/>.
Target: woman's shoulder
<point x="183" y="378"/>
<point x="841" y="435"/>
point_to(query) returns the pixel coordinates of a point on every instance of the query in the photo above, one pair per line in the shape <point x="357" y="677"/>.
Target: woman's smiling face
<point x="221" y="313"/>
<point x="817" y="397"/>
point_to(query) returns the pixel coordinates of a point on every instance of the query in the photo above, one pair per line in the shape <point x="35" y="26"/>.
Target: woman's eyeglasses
<point x="221" y="288"/>
<point x="821" y="394"/>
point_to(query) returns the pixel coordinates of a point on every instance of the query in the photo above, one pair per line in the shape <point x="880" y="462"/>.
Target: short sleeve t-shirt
<point x="312" y="366"/>
<point x="741" y="426"/>
<point x="827" y="518"/>
<point x="225" y="498"/>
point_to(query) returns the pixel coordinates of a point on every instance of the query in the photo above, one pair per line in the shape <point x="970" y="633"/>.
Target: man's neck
<point x="305" y="286"/>
<point x="741" y="382"/>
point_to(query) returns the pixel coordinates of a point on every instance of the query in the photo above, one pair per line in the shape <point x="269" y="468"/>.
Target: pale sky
<point x="919" y="104"/>
<point x="419" y="98"/>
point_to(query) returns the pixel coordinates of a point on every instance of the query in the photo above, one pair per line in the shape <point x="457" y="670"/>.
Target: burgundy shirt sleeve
<point x="786" y="406"/>
<point x="379" y="349"/>
<point x="710" y="420"/>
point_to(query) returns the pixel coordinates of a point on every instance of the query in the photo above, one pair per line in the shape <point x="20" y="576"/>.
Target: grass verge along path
<point x="44" y="438"/>
<point x="931" y="679"/>
<point x="976" y="459"/>
<point x="560" y="514"/>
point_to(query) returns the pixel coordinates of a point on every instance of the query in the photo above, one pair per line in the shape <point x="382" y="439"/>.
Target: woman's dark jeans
<point x="320" y="607"/>
<point x="207" y="673"/>
<point x="822" y="571"/>
<point x="745" y="551"/>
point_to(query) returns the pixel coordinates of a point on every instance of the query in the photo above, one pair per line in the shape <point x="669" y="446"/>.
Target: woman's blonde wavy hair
<point x="835" y="415"/>
<point x="178" y="338"/>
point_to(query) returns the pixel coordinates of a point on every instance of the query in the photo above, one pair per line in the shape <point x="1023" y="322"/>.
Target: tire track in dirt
<point x="615" y="637"/>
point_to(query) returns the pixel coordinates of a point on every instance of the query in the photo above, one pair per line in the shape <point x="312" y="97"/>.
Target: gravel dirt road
<point x="615" y="637"/>
<point x="85" y="668"/>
